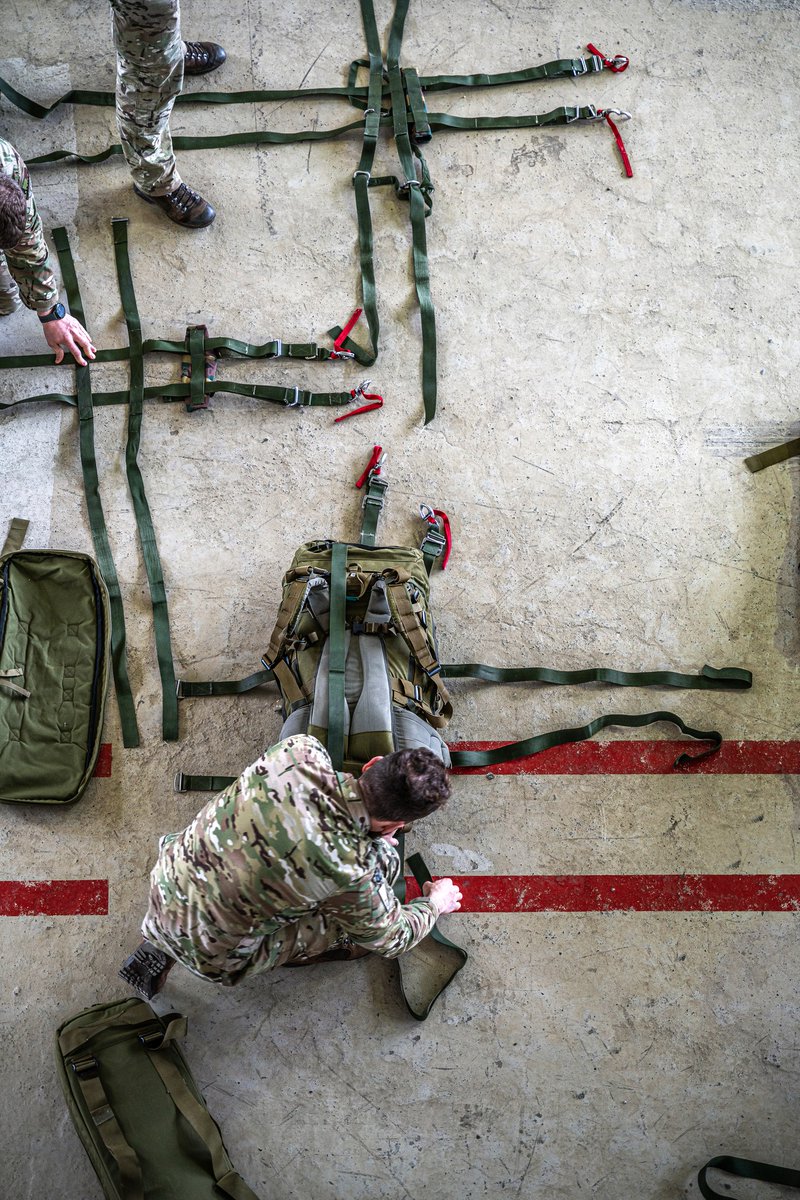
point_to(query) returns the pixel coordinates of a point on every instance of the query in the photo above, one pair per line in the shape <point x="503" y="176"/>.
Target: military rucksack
<point x="137" y="1109"/>
<point x="55" y="638"/>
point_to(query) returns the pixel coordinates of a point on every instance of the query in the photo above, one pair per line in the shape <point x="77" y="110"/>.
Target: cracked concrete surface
<point x="609" y="352"/>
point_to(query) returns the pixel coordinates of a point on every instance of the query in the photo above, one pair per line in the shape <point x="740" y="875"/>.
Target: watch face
<point x="59" y="311"/>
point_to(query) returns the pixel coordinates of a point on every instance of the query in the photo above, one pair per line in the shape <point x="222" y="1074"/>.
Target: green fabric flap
<point x="55" y="631"/>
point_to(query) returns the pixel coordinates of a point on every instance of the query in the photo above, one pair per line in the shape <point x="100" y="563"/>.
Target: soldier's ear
<point x="372" y="761"/>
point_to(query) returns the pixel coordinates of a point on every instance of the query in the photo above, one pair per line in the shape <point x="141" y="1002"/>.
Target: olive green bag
<point x="138" y="1111"/>
<point x="55" y="633"/>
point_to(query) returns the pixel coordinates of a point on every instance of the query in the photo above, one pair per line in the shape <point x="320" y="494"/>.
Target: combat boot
<point x="199" y="58"/>
<point x="343" y="951"/>
<point x="183" y="206"/>
<point x="146" y="970"/>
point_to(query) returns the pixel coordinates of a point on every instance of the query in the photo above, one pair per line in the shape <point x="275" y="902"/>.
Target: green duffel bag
<point x="137" y="1110"/>
<point x="55" y="631"/>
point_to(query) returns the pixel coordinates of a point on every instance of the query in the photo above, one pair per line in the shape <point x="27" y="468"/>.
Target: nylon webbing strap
<point x="768" y="458"/>
<point x="15" y="537"/>
<point x="105" y="1122"/>
<point x="561" y="737"/>
<point x="144" y="520"/>
<point x="745" y="1168"/>
<point x="127" y="713"/>
<point x="419" y="1011"/>
<point x="204" y="1126"/>
<point x="336" y="663"/>
<point x="372" y="508"/>
<point x="186" y="688"/>
<point x="713" y="679"/>
<point x="202" y="783"/>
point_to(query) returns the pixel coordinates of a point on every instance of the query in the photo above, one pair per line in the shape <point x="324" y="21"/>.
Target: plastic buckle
<point x="86" y="1068"/>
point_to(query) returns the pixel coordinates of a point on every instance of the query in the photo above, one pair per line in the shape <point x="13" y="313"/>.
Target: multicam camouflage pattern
<point x="278" y="867"/>
<point x="147" y="37"/>
<point x="29" y="261"/>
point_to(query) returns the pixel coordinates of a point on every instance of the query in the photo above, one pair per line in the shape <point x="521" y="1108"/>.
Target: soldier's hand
<point x="444" y="894"/>
<point x="68" y="334"/>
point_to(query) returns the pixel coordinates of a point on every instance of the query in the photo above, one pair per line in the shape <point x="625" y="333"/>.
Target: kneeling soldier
<point x="292" y="864"/>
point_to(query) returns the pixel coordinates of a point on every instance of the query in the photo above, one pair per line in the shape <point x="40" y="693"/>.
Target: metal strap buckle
<point x="296" y="402"/>
<point x="278" y="348"/>
<point x="85" y="1068"/>
<point x="179" y="782"/>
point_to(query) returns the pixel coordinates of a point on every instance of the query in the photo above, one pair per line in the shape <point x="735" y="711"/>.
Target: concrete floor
<point x="610" y="350"/>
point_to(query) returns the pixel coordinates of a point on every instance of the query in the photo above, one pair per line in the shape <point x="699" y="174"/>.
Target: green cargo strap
<point x="336" y="662"/>
<point x="227" y="1180"/>
<point x="421" y="874"/>
<point x="107" y="1125"/>
<point x="195" y="346"/>
<point x="734" y="679"/>
<point x="144" y="520"/>
<point x="15" y="537"/>
<point x="768" y="458"/>
<point x="372" y="506"/>
<point x="127" y="712"/>
<point x="745" y="1168"/>
<point x="201" y="783"/>
<point x="561" y="737"/>
<point x="186" y="688"/>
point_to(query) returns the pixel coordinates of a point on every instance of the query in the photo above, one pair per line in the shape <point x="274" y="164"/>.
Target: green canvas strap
<point x="374" y="497"/>
<point x="186" y="688"/>
<point x="336" y="648"/>
<point x="733" y="679"/>
<point x="745" y="1168"/>
<point x="568" y="68"/>
<point x="144" y="520"/>
<point x="201" y="783"/>
<point x="289" y="397"/>
<point x="127" y="713"/>
<point x="15" y="538"/>
<point x="103" y="1118"/>
<point x="420" y="1011"/>
<point x="776" y="454"/>
<point x="197" y="1115"/>
<point x="561" y="737"/>
<point x="15" y="689"/>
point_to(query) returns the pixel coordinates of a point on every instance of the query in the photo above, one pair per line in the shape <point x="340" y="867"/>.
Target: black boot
<point x="146" y="970"/>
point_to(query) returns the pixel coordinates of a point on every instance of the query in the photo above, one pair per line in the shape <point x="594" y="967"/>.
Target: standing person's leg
<point x="150" y="64"/>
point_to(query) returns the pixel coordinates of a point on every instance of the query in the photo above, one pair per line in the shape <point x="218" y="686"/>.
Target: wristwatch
<point x="55" y="314"/>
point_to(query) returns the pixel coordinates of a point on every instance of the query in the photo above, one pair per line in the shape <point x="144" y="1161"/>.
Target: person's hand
<point x="68" y="334"/>
<point x="444" y="894"/>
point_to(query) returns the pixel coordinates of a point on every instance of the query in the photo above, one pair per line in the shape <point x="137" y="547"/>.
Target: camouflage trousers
<point x="221" y="958"/>
<point x="147" y="37"/>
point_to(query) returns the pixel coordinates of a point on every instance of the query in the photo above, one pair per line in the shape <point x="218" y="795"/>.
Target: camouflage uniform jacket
<point x="29" y="261"/>
<point x="289" y="839"/>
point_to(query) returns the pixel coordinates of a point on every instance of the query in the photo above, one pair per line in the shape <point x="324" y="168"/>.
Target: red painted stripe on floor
<point x="625" y="893"/>
<point x="53" y="897"/>
<point x="644" y="758"/>
<point x="102" y="768"/>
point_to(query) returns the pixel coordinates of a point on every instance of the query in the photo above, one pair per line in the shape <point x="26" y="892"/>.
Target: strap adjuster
<point x="179" y="782"/>
<point x="86" y="1067"/>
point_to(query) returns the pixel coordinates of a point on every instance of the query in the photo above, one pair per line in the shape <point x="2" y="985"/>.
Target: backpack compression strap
<point x="15" y="537"/>
<point x="745" y="1168"/>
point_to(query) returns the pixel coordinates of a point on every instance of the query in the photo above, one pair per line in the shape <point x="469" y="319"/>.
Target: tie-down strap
<point x="745" y="1168"/>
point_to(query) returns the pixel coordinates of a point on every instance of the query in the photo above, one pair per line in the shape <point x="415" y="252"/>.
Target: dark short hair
<point x="405" y="786"/>
<point x="13" y="212"/>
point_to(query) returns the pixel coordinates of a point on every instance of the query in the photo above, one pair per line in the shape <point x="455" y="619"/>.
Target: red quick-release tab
<point x="373" y="466"/>
<point x="435" y="517"/>
<point x="360" y="393"/>
<point x="606" y="113"/>
<point x="617" y="64"/>
<point x="337" y="351"/>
